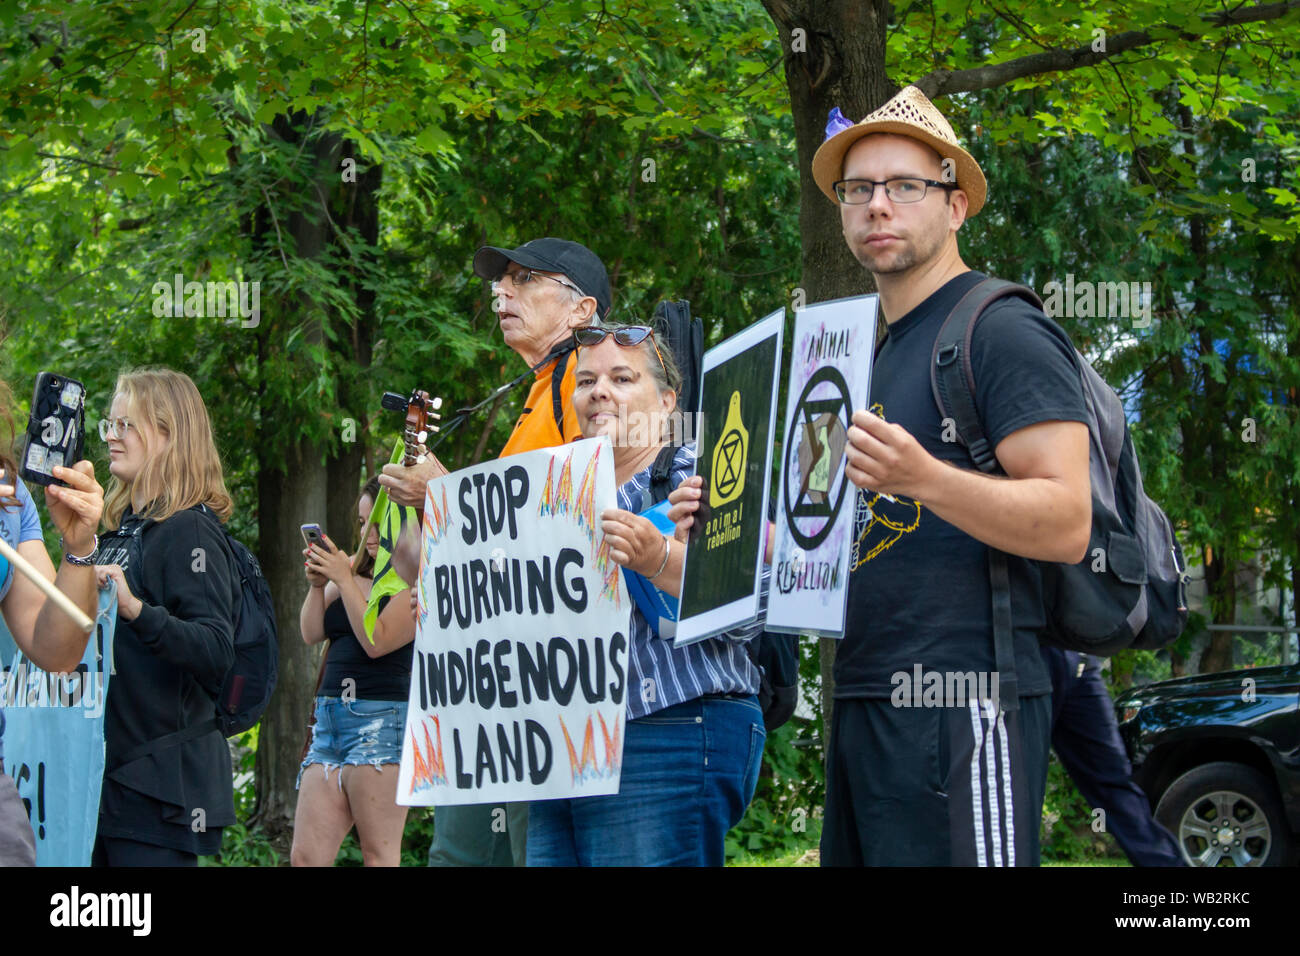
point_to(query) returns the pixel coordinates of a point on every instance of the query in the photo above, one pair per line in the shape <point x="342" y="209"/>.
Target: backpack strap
<point x="684" y="334"/>
<point x="174" y="739"/>
<point x="557" y="383"/>
<point x="661" y="474"/>
<point x="952" y="380"/>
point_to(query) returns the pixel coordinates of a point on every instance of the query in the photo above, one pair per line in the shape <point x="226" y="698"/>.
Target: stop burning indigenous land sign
<point x="520" y="669"/>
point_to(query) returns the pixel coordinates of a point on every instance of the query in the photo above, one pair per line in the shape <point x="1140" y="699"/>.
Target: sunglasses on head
<point x="626" y="336"/>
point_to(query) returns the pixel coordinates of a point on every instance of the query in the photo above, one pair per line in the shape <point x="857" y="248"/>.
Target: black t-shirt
<point x="377" y="678"/>
<point x="919" y="588"/>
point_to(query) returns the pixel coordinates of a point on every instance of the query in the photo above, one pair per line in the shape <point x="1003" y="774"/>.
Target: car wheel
<point x="1226" y="814"/>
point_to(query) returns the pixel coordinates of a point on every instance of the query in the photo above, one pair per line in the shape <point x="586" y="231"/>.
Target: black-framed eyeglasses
<point x="525" y="276"/>
<point x="626" y="336"/>
<point x="900" y="189"/>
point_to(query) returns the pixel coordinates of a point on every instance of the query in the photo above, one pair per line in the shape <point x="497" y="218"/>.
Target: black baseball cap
<point x="571" y="259"/>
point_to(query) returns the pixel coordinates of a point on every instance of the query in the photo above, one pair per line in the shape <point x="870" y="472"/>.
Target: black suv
<point x="1219" y="757"/>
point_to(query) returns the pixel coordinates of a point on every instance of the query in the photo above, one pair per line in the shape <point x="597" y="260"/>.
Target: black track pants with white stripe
<point x="935" y="786"/>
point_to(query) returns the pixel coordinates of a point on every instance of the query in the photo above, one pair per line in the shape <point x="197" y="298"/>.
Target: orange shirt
<point x="536" y="426"/>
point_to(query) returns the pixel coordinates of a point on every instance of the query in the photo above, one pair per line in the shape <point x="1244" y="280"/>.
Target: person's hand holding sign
<point x="885" y="458"/>
<point x="128" y="605"/>
<point x="685" y="501"/>
<point x="636" y="544"/>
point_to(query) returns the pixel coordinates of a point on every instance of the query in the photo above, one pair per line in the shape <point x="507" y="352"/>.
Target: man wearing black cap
<point x="542" y="291"/>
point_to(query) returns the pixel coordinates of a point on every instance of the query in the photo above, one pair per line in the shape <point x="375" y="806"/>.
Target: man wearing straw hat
<point x="927" y="766"/>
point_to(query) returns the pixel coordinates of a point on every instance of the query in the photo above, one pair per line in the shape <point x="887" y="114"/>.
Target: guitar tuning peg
<point x="437" y="402"/>
<point x="435" y="428"/>
<point x="419" y="439"/>
<point x="421" y="459"/>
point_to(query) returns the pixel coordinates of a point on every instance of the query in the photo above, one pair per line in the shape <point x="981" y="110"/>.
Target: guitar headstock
<point x="421" y="412"/>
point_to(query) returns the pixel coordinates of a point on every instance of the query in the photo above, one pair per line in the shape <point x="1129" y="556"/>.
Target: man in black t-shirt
<point x="926" y="765"/>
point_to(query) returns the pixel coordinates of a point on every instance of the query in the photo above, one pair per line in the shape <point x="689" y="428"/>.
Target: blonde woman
<point x="167" y="784"/>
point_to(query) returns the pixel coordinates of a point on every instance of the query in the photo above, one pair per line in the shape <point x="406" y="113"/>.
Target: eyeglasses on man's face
<point x="525" y="276"/>
<point x="114" y="428"/>
<point x="900" y="189"/>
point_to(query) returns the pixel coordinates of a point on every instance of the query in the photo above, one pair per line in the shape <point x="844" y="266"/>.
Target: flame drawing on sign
<point x="436" y="522"/>
<point x="428" y="769"/>
<point x="586" y="767"/>
<point x="587" y="497"/>
<point x="613" y="744"/>
<point x="544" y="506"/>
<point x="608" y="570"/>
<point x="557" y="499"/>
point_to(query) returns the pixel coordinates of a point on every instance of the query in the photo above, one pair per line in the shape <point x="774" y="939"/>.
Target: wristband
<point x="667" y="550"/>
<point x="87" y="562"/>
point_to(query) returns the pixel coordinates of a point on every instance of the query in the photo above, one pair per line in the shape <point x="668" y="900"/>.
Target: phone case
<point x="56" y="428"/>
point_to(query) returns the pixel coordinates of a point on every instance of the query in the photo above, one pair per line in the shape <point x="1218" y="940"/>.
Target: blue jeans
<point x="689" y="772"/>
<point x="355" y="732"/>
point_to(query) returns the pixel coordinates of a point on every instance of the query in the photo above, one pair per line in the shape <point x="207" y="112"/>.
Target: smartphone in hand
<point x="55" y="430"/>
<point x="312" y="534"/>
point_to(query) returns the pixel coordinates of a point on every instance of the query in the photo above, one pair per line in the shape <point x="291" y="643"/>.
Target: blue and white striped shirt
<point x="660" y="674"/>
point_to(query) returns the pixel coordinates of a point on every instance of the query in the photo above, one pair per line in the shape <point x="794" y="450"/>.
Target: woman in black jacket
<point x="167" y="783"/>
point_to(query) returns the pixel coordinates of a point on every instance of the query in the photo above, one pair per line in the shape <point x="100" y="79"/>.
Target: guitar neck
<point x="420" y="410"/>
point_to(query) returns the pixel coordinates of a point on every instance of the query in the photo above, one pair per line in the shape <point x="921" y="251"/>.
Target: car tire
<point x="1226" y="814"/>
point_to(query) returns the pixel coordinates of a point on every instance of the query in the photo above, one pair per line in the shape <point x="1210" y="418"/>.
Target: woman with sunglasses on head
<point x="360" y="708"/>
<point x="694" y="737"/>
<point x="167" y="784"/>
<point x="46" y="635"/>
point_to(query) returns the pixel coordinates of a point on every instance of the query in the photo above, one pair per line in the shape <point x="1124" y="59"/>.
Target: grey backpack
<point x="1129" y="590"/>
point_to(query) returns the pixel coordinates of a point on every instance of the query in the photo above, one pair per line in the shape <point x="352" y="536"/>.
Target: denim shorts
<point x="689" y="772"/>
<point x="355" y="732"/>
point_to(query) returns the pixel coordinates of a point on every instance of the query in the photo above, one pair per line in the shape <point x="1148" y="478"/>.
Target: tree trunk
<point x="287" y="498"/>
<point x="1292" y="482"/>
<point x="1221" y="592"/>
<point x="296" y="489"/>
<point x="834" y="56"/>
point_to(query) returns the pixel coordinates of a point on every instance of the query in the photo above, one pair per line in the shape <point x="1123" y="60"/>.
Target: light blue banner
<point x="54" y="743"/>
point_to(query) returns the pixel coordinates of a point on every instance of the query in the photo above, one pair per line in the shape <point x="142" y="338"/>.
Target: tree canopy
<point x="349" y="158"/>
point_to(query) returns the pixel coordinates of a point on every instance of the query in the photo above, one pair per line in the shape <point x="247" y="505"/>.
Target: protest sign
<point x="830" y="377"/>
<point x="520" y="670"/>
<point x="721" y="574"/>
<point x="54" y="742"/>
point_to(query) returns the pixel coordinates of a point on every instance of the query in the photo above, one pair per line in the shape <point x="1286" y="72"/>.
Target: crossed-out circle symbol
<point x="731" y="445"/>
<point x="808" y="409"/>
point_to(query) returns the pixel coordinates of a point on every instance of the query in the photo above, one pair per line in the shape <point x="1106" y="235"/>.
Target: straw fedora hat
<point x="909" y="113"/>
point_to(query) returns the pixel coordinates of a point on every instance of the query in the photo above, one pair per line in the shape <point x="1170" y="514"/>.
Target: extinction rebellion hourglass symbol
<point x="818" y="432"/>
<point x="729" y="457"/>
